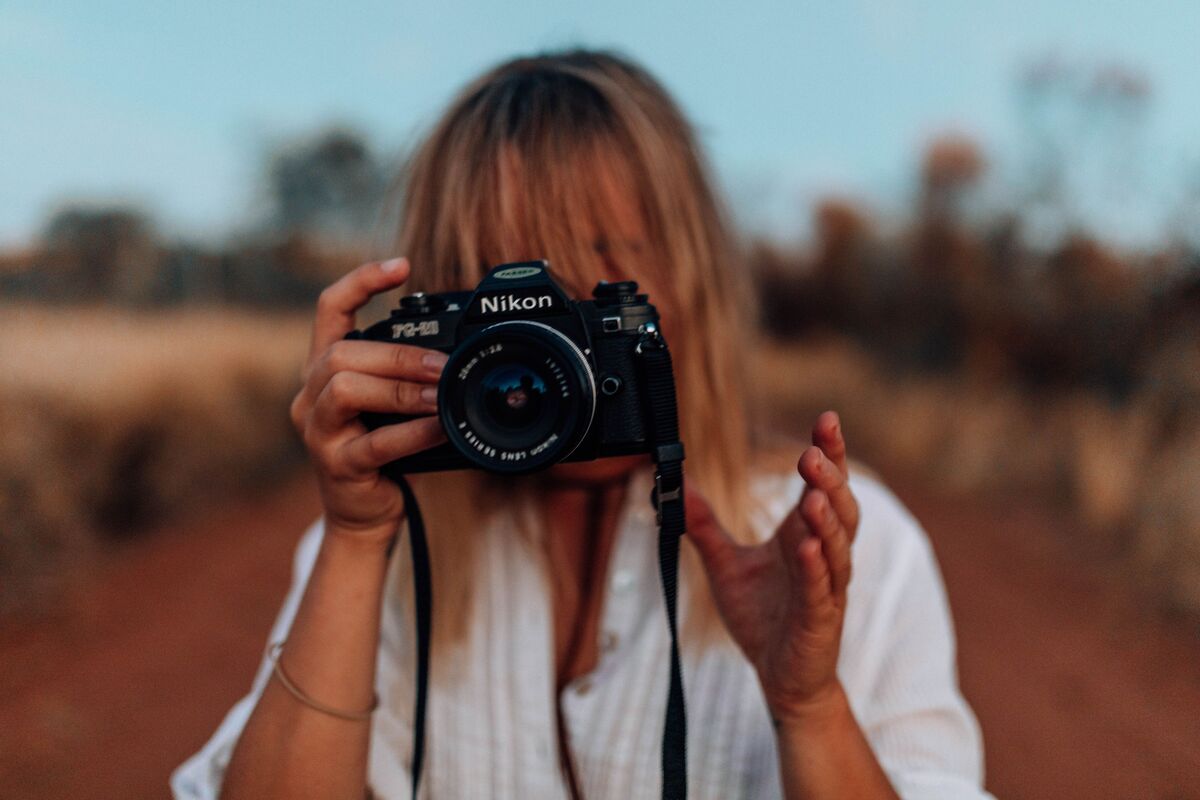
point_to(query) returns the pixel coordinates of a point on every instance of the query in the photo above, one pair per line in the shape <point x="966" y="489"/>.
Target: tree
<point x="1083" y="123"/>
<point x="102" y="252"/>
<point x="329" y="186"/>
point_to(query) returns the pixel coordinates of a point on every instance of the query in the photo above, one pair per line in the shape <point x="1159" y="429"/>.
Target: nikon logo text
<point x="508" y="302"/>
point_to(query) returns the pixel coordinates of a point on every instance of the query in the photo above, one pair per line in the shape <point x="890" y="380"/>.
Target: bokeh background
<point x="973" y="228"/>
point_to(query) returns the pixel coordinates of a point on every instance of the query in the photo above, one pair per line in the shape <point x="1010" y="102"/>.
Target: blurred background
<point x="973" y="228"/>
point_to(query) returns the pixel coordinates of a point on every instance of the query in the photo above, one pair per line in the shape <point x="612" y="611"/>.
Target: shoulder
<point x="890" y="541"/>
<point x="897" y="657"/>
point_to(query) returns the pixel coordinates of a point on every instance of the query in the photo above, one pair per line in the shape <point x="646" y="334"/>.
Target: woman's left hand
<point x="783" y="600"/>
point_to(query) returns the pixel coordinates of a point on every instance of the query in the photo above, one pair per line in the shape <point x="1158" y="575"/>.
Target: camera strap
<point x="655" y="372"/>
<point x="657" y="376"/>
<point x="423" y="608"/>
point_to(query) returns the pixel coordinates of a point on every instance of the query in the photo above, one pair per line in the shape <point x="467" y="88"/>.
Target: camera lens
<point x="516" y="397"/>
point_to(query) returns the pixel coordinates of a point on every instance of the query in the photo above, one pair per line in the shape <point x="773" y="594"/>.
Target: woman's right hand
<point x="343" y="378"/>
<point x="288" y="749"/>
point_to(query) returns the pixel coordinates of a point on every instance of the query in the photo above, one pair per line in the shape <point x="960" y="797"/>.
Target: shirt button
<point x="608" y="641"/>
<point x="583" y="686"/>
<point x="622" y="579"/>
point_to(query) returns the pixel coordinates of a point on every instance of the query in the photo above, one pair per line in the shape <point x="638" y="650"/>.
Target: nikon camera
<point x="533" y="378"/>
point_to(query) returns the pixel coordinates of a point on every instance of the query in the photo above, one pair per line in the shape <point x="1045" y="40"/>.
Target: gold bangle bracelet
<point x="273" y="653"/>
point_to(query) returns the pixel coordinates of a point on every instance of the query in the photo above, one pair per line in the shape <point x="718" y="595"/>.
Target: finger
<point x="348" y="394"/>
<point x="827" y="435"/>
<point x="705" y="531"/>
<point x="791" y="535"/>
<point x="817" y="589"/>
<point x="384" y="359"/>
<point x="820" y="472"/>
<point x="369" y="452"/>
<point x="835" y="543"/>
<point x="339" y="301"/>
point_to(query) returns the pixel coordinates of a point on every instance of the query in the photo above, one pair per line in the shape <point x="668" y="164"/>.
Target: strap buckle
<point x="650" y="339"/>
<point x="660" y="496"/>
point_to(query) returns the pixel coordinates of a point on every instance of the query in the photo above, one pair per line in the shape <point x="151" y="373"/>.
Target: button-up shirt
<point x="492" y="727"/>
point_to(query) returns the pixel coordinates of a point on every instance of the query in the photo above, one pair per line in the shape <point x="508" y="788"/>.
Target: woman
<point x="549" y="662"/>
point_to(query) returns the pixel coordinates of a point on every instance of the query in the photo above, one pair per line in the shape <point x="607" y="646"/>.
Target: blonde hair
<point x="582" y="158"/>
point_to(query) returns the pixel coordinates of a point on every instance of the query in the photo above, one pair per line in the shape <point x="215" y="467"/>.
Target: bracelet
<point x="273" y="652"/>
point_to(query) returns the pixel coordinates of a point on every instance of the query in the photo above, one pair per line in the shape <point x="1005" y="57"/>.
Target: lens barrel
<point x="516" y="397"/>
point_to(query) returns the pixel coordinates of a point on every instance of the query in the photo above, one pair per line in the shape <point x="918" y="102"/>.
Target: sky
<point x="171" y="106"/>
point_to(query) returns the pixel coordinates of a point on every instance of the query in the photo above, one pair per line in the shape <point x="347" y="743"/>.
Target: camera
<point x="534" y="378"/>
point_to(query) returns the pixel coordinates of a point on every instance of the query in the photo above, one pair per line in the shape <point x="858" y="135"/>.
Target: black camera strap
<point x="657" y="376"/>
<point x="423" y="608"/>
<point x="654" y="364"/>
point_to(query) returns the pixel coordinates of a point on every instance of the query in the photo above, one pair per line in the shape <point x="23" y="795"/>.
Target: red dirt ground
<point x="1081" y="691"/>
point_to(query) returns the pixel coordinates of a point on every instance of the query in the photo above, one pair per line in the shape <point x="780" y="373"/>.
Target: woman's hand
<point x="288" y="748"/>
<point x="343" y="378"/>
<point x="784" y="600"/>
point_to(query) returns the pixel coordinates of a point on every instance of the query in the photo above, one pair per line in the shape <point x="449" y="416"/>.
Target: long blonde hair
<point x="548" y="157"/>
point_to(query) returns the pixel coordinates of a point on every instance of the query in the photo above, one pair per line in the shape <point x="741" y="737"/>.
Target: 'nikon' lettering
<point x="507" y="302"/>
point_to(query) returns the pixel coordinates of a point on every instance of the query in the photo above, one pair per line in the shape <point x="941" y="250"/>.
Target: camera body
<point x="534" y="378"/>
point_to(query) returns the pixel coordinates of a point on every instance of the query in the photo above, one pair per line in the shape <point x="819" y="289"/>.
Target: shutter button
<point x="620" y="293"/>
<point x="421" y="303"/>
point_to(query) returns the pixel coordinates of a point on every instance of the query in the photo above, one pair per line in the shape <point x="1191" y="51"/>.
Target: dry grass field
<point x="110" y="420"/>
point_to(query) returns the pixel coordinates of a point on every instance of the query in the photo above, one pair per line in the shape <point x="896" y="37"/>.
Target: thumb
<point x="705" y="531"/>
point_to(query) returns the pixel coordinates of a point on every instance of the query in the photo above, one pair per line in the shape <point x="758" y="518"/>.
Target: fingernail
<point x="429" y="395"/>
<point x="435" y="361"/>
<point x="391" y="265"/>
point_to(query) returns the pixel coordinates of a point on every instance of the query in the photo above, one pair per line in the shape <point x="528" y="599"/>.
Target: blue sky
<point x="170" y="105"/>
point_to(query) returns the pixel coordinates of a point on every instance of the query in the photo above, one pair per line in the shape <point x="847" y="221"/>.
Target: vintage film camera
<point x="534" y="378"/>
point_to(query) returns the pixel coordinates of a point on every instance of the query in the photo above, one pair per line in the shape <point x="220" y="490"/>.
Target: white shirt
<point x="491" y="728"/>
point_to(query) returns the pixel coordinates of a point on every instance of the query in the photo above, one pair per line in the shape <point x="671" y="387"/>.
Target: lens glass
<point x="514" y="401"/>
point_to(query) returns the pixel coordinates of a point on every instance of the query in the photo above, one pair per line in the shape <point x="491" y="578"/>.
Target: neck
<point x="581" y="524"/>
<point x="600" y="474"/>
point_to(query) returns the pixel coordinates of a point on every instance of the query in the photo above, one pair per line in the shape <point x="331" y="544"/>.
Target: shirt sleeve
<point x="904" y="682"/>
<point x="200" y="777"/>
